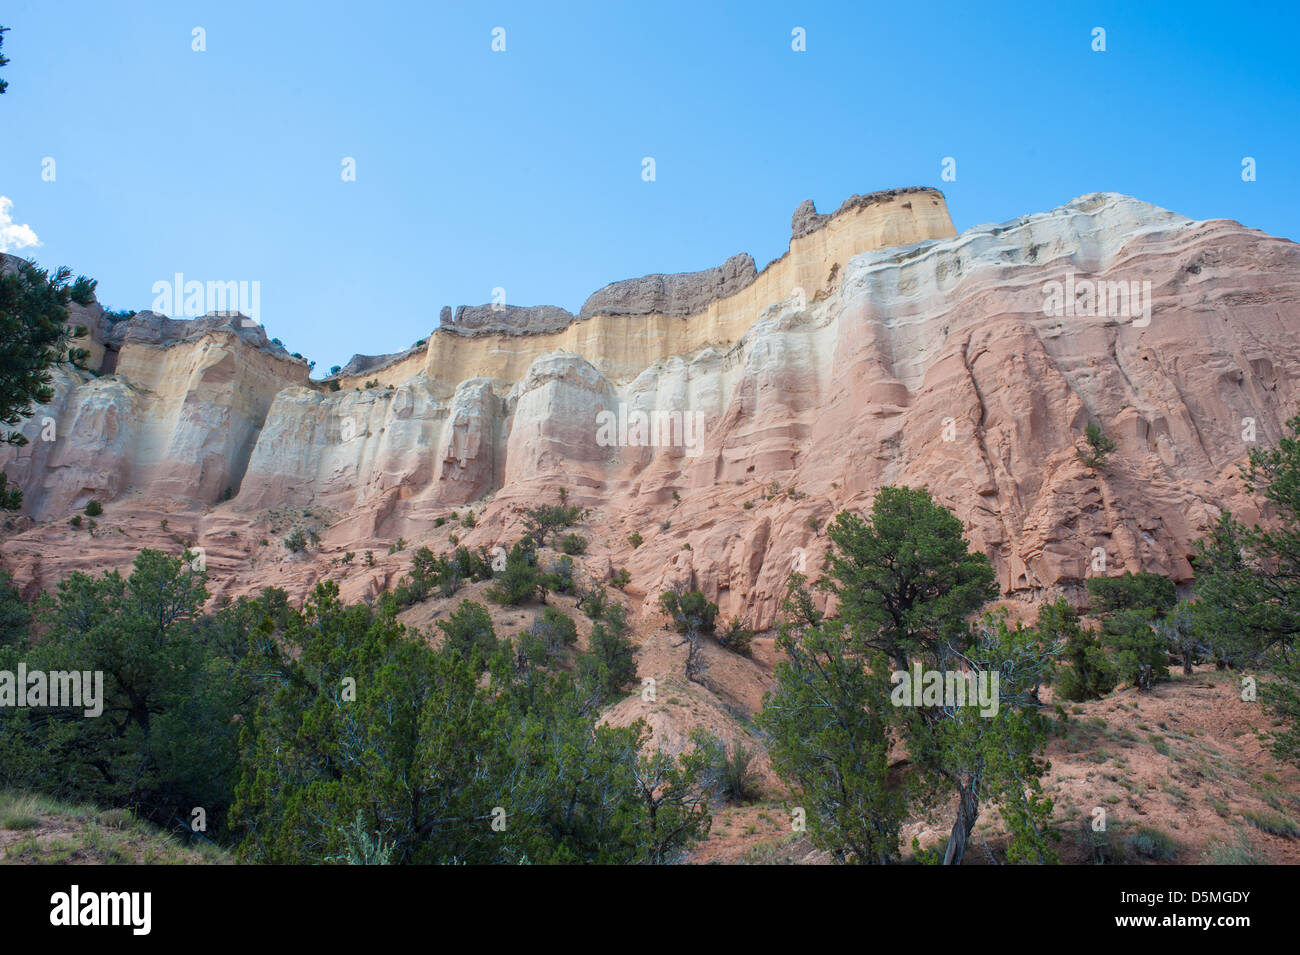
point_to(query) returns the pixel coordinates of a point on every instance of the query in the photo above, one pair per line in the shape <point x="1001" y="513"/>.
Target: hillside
<point x="36" y="830"/>
<point x="882" y="349"/>
<point x="1181" y="772"/>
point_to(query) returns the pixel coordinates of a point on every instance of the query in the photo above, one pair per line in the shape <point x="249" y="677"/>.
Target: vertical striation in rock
<point x="881" y="348"/>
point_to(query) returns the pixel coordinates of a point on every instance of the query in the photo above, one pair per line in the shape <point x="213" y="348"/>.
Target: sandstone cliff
<point x="881" y="348"/>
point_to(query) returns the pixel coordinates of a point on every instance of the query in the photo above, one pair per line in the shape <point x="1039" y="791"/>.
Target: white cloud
<point x="13" y="236"/>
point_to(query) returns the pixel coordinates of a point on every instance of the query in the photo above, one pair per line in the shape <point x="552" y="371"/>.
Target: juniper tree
<point x="906" y="584"/>
<point x="609" y="664"/>
<point x="992" y="757"/>
<point x="1090" y="674"/>
<point x="693" y="616"/>
<point x="4" y="85"/>
<point x="828" y="722"/>
<point x="520" y="580"/>
<point x="1099" y="447"/>
<point x="906" y="579"/>
<point x="34" y="338"/>
<point x="469" y="632"/>
<point x="1132" y="609"/>
<point x="542" y="520"/>
<point x="1180" y="630"/>
<point x="1248" y="586"/>
<point x="440" y="763"/>
<point x="15" y="614"/>
<point x="165" y="739"/>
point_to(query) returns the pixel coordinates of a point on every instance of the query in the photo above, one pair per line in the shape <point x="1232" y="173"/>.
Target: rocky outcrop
<point x="360" y="365"/>
<point x="469" y="459"/>
<point x="553" y="414"/>
<point x="506" y="320"/>
<point x="881" y="349"/>
<point x="686" y="293"/>
<point x="174" y="413"/>
<point x="806" y="220"/>
<point x="151" y="328"/>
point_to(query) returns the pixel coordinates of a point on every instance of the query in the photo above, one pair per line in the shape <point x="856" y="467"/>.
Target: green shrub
<point x="689" y="610"/>
<point x="82" y="291"/>
<point x="594" y="602"/>
<point x="361" y="847"/>
<point x="540" y="521"/>
<point x="1240" y="851"/>
<point x="737" y="638"/>
<point x="573" y="544"/>
<point x="1274" y="823"/>
<point x="1131" y="608"/>
<point x="635" y="539"/>
<point x="732" y="769"/>
<point x="1152" y="844"/>
<point x="296" y="541"/>
<point x="471" y="566"/>
<point x="559" y="576"/>
<point x="427" y="572"/>
<point x="94" y="509"/>
<point x="1099" y="446"/>
<point x="469" y="631"/>
<point x="519" y="581"/>
<point x="555" y="629"/>
<point x="1089" y="674"/>
<point x="609" y="665"/>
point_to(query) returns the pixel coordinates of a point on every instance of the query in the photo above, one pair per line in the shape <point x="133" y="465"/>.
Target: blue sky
<point x="522" y="169"/>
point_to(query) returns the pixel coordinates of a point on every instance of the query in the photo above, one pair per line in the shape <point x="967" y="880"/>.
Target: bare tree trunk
<point x="968" y="810"/>
<point x="1144" y="676"/>
<point x="694" y="660"/>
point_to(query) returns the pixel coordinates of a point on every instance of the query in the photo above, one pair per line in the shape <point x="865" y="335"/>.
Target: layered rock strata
<point x="724" y="415"/>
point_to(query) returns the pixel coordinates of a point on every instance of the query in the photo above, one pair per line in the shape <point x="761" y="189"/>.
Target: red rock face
<point x="968" y="365"/>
